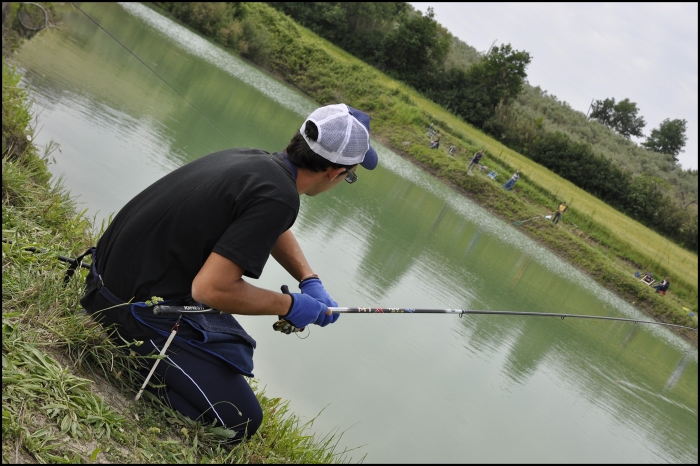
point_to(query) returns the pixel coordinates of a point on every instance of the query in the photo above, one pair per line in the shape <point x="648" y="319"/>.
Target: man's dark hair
<point x="301" y="155"/>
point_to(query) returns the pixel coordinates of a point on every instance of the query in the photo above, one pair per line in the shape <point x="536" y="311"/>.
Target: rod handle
<point x="162" y="310"/>
<point x="283" y="325"/>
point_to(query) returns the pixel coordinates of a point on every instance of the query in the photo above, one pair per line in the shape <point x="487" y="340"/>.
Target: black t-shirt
<point x="236" y="203"/>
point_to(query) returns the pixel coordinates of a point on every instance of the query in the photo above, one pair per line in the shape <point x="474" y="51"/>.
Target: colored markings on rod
<point x="379" y="310"/>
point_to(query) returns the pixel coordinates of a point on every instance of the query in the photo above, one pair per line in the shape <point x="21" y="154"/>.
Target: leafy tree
<point x="475" y="93"/>
<point x="357" y="27"/>
<point x="621" y="117"/>
<point x="416" y="48"/>
<point x="461" y="55"/>
<point x="603" y="111"/>
<point x="367" y="16"/>
<point x="461" y="93"/>
<point x="502" y="73"/>
<point x="647" y="199"/>
<point x="669" y="138"/>
<point x="625" y="120"/>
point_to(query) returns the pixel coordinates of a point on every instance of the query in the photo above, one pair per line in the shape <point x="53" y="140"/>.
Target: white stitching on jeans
<point x="195" y="384"/>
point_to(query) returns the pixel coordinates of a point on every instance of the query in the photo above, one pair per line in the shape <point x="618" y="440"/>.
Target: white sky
<point x="647" y="52"/>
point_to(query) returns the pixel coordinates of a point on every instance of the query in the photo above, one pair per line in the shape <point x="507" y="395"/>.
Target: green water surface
<point x="404" y="388"/>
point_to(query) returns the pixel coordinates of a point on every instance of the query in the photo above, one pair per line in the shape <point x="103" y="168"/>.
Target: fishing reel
<point x="286" y="327"/>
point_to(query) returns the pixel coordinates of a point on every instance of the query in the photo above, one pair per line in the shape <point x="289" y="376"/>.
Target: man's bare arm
<point x="220" y="285"/>
<point x="289" y="255"/>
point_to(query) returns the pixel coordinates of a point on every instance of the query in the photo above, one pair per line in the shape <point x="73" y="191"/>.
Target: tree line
<point x="641" y="197"/>
<point x="623" y="117"/>
<point x="414" y="48"/>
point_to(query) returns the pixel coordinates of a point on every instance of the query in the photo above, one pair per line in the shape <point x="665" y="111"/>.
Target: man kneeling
<point x="194" y="234"/>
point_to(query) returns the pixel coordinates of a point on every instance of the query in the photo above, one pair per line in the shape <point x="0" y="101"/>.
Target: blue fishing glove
<point x="306" y="310"/>
<point x="314" y="287"/>
<point x="325" y="319"/>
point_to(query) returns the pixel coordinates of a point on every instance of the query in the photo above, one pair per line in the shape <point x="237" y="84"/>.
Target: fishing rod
<point x="517" y="224"/>
<point x="44" y="251"/>
<point x="286" y="327"/>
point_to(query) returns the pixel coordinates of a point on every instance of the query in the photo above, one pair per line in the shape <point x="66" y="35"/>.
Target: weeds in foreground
<point x="68" y="390"/>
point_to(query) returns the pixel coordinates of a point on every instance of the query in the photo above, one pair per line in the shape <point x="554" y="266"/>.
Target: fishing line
<point x="151" y="69"/>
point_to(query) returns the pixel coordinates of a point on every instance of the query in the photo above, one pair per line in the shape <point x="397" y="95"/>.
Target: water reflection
<point x="528" y="350"/>
<point x="677" y="372"/>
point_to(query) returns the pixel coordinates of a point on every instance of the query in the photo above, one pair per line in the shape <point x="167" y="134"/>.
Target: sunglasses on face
<point x="350" y="177"/>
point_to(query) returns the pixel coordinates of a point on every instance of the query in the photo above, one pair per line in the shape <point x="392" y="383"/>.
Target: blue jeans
<point x="509" y="185"/>
<point x="202" y="390"/>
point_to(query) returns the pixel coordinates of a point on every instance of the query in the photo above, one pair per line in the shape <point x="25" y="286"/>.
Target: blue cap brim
<point x="371" y="159"/>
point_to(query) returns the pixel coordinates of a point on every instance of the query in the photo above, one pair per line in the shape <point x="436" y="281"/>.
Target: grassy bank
<point x="594" y="237"/>
<point x="68" y="391"/>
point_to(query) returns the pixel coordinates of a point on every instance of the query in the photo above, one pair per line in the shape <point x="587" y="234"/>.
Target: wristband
<point x="306" y="277"/>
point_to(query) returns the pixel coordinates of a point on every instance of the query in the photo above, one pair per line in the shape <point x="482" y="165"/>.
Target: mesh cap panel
<point x="341" y="137"/>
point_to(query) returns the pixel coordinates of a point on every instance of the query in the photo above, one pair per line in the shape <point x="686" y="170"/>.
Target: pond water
<point x="401" y="388"/>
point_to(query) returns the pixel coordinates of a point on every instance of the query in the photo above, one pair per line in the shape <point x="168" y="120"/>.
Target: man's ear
<point x="333" y="173"/>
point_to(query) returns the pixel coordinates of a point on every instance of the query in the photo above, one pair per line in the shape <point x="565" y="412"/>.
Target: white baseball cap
<point x="343" y="136"/>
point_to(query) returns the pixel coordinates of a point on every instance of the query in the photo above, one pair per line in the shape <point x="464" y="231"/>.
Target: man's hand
<point x="307" y="310"/>
<point x="314" y="288"/>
